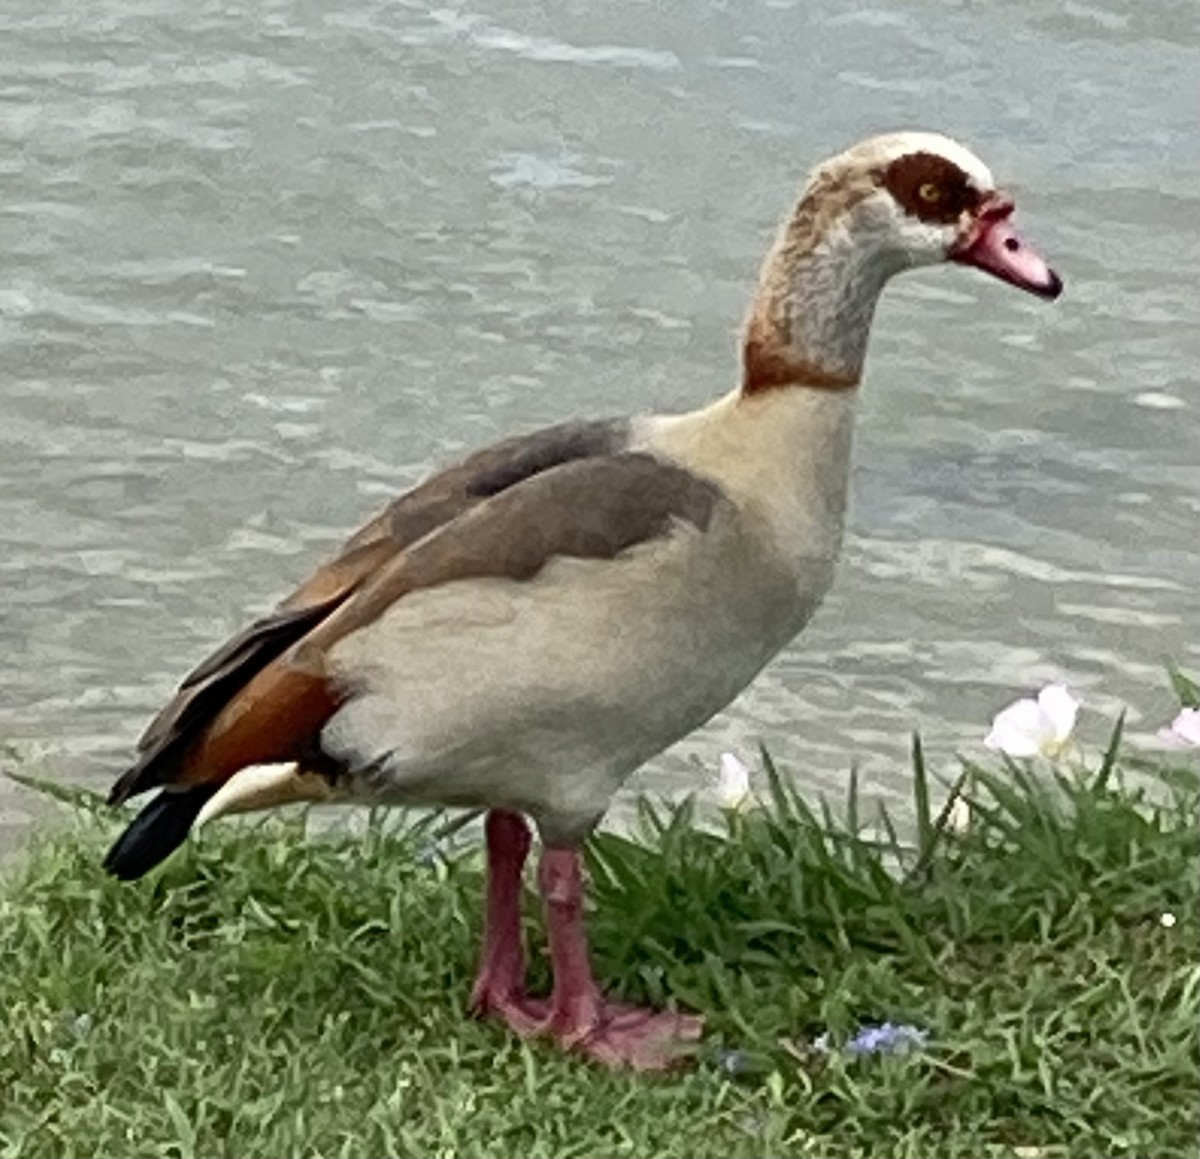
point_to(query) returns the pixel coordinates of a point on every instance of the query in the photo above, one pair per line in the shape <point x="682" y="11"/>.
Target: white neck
<point x="811" y="317"/>
<point x="832" y="305"/>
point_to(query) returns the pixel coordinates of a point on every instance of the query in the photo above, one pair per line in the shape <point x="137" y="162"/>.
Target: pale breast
<point x="784" y="458"/>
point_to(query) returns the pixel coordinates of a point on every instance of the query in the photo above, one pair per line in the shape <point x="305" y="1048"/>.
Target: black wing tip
<point x="121" y="863"/>
<point x="156" y="832"/>
<point x="127" y="784"/>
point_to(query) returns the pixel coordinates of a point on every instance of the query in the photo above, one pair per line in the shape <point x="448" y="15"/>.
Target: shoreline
<point x="1017" y="989"/>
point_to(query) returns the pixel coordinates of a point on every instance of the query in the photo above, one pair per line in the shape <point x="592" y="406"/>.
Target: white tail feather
<point x="263" y="787"/>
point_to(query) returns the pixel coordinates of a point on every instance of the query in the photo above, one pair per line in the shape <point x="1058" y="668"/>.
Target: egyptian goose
<point x="523" y="630"/>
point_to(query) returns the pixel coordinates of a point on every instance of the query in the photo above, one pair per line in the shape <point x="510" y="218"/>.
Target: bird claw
<point x="613" y="1034"/>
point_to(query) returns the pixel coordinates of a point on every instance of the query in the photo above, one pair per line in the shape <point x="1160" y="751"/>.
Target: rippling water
<point x="264" y="264"/>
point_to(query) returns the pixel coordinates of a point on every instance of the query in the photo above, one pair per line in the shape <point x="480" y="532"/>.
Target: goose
<point x="524" y="629"/>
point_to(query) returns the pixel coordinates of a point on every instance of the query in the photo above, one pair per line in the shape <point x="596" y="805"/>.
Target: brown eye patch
<point x="930" y="187"/>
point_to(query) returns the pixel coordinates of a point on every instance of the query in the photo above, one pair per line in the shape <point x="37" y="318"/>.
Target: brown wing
<point x="170" y="750"/>
<point x="591" y="508"/>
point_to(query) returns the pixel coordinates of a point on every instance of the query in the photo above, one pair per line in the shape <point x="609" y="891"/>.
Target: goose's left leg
<point x="578" y="1016"/>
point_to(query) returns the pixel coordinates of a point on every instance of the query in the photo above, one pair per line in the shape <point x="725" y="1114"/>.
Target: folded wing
<point x="265" y="695"/>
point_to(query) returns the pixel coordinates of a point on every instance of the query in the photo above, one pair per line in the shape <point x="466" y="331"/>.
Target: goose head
<point x="917" y="199"/>
<point x="892" y="203"/>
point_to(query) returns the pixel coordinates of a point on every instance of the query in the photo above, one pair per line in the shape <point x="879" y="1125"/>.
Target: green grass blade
<point x="1186" y="689"/>
<point x="925" y="830"/>
<point x="1109" y="763"/>
<point x="73" y="795"/>
<point x="852" y="817"/>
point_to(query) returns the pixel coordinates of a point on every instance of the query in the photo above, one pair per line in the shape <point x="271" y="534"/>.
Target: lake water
<point x="263" y="264"/>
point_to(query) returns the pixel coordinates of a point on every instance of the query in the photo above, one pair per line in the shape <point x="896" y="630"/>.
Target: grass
<point x="271" y="995"/>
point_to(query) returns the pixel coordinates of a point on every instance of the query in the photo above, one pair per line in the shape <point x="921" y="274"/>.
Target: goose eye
<point x="930" y="193"/>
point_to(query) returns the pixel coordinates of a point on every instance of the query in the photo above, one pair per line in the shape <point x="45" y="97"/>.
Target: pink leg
<point x="576" y="1004"/>
<point x="579" y="1016"/>
<point x="500" y="984"/>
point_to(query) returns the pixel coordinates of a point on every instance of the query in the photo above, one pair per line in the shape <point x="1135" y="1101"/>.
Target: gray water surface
<point x="264" y="264"/>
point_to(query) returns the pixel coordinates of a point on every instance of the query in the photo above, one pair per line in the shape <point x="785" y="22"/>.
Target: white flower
<point x="1184" y="730"/>
<point x="1031" y="728"/>
<point x="1166" y="920"/>
<point x="733" y="782"/>
<point x="958" y="818"/>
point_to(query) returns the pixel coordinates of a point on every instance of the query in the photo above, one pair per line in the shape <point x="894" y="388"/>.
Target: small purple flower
<point x="890" y="1038"/>
<point x="883" y="1038"/>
